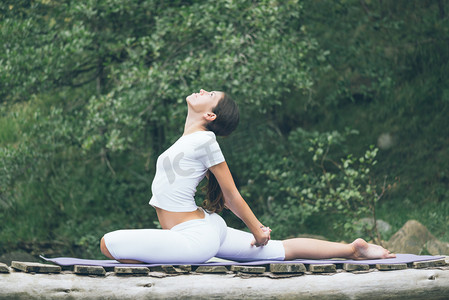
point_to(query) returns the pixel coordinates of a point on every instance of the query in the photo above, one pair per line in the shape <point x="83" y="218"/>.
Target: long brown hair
<point x="226" y="121"/>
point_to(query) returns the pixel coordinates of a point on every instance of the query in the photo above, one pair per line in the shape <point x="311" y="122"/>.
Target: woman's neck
<point x="192" y="125"/>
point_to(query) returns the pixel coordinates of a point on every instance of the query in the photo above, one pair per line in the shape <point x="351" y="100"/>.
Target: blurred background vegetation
<point x="344" y="113"/>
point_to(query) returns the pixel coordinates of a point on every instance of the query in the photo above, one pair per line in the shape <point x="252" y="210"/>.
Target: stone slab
<point x="169" y="269"/>
<point x="156" y="269"/>
<point x="429" y="263"/>
<point x="355" y="267"/>
<point x="391" y="267"/>
<point x="211" y="269"/>
<point x="4" y="268"/>
<point x="89" y="270"/>
<point x="324" y="268"/>
<point x="287" y="268"/>
<point x="182" y="270"/>
<point x="33" y="267"/>
<point x="187" y="268"/>
<point x="248" y="269"/>
<point x="131" y="270"/>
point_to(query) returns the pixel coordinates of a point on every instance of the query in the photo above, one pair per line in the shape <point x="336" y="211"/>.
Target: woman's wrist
<point x="262" y="231"/>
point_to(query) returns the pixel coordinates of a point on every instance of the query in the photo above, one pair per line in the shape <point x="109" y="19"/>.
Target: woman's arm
<point x="235" y="202"/>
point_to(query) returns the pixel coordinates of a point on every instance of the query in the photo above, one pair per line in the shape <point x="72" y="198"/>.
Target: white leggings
<point x="190" y="242"/>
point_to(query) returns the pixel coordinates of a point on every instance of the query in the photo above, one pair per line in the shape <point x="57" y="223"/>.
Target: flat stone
<point x="156" y="269"/>
<point x="33" y="267"/>
<point x="429" y="263"/>
<point x="248" y="269"/>
<point x="187" y="268"/>
<point x="324" y="268"/>
<point x="182" y="270"/>
<point x="355" y="267"/>
<point x="89" y="270"/>
<point x="4" y="268"/>
<point x="175" y="270"/>
<point x="211" y="269"/>
<point x="287" y="268"/>
<point x="390" y="267"/>
<point x="170" y="269"/>
<point x="131" y="270"/>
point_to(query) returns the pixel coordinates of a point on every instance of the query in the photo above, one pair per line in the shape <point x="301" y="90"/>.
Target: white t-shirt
<point x="180" y="169"/>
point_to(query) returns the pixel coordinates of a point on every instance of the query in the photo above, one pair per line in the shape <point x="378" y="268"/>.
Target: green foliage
<point x="391" y="77"/>
<point x="102" y="82"/>
<point x="309" y="178"/>
<point x="349" y="192"/>
<point x="238" y="51"/>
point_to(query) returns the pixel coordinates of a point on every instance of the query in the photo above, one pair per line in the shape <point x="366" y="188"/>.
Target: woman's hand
<point x="262" y="237"/>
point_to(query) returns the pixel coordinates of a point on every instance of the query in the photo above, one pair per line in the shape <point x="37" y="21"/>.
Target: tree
<point x="100" y="87"/>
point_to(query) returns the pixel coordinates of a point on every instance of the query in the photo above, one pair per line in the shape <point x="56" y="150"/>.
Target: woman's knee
<point x="104" y="249"/>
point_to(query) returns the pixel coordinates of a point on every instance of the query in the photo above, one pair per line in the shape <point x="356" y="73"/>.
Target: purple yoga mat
<point x="400" y="259"/>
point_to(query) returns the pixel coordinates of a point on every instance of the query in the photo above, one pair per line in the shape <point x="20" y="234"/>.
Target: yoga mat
<point x="400" y="259"/>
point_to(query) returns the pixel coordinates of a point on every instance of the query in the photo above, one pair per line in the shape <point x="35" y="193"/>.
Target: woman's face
<point x="204" y="101"/>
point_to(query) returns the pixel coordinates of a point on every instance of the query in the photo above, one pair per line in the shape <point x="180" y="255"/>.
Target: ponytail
<point x="227" y="119"/>
<point x="214" y="201"/>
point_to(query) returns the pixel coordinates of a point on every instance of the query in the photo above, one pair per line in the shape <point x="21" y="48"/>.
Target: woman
<point x="193" y="235"/>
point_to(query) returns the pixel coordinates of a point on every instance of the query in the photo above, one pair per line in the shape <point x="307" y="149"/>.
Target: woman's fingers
<point x="255" y="243"/>
<point x="264" y="239"/>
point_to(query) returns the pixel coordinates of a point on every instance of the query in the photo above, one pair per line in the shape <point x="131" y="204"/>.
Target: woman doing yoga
<point x="192" y="234"/>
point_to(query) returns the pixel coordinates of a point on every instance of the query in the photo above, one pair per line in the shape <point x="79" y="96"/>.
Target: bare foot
<point x="363" y="250"/>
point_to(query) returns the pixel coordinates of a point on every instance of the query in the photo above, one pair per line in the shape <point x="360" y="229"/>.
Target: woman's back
<point x="180" y="169"/>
